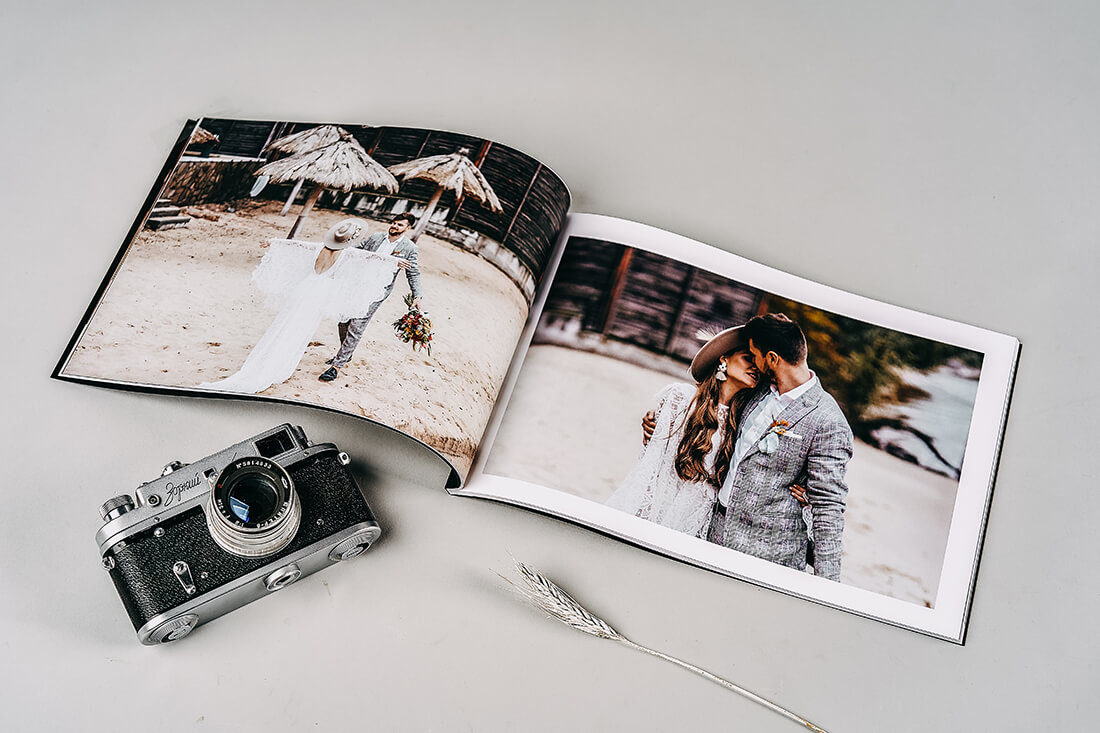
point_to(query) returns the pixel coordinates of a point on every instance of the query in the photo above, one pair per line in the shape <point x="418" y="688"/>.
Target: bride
<point x="306" y="283"/>
<point x="676" y="479"/>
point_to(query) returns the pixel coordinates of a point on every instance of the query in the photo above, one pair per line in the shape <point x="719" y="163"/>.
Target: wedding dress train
<point x="303" y="298"/>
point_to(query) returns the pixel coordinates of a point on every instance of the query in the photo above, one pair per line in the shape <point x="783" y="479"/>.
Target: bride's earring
<point x="720" y="372"/>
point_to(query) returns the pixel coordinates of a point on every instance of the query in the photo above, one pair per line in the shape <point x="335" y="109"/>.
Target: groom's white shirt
<point x="755" y="424"/>
<point x="386" y="247"/>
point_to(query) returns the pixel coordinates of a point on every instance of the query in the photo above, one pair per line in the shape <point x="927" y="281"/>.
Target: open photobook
<point x="659" y="390"/>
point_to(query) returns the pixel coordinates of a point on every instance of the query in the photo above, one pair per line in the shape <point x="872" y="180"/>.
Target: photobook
<point x="659" y="390"/>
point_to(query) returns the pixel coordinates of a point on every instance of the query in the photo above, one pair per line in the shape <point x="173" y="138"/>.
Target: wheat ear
<point x="548" y="596"/>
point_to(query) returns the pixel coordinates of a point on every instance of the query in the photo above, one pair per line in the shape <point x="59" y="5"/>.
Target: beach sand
<point x="182" y="310"/>
<point x="574" y="424"/>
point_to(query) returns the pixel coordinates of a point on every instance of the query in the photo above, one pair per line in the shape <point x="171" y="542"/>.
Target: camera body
<point x="210" y="536"/>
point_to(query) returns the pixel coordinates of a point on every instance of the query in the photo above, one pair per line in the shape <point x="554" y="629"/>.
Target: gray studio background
<point x="941" y="156"/>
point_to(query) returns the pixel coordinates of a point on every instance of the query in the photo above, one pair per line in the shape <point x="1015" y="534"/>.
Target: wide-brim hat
<point x="706" y="359"/>
<point x="345" y="234"/>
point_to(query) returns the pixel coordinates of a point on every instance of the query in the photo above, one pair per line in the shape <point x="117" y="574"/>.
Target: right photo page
<point x="696" y="403"/>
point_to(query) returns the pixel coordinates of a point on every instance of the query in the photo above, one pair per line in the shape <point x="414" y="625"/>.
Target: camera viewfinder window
<point x="274" y="445"/>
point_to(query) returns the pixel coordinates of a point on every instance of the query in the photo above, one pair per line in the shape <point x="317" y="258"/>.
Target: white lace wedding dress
<point x="653" y="490"/>
<point x="303" y="298"/>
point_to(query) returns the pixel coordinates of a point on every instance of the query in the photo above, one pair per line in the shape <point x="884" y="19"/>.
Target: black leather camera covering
<point x="143" y="563"/>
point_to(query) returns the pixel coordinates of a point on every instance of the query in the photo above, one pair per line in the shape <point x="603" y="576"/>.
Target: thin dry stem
<point x="549" y="596"/>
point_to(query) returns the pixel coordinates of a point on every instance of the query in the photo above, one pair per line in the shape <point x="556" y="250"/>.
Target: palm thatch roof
<point x="453" y="172"/>
<point x="310" y="139"/>
<point x="342" y="165"/>
<point x="201" y="136"/>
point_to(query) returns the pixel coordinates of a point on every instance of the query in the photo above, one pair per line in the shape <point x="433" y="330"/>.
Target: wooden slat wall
<point x="543" y="211"/>
<point x="662" y="302"/>
<point x="209" y="181"/>
<point x="714" y="303"/>
<point x="398" y="144"/>
<point x="239" y="137"/>
<point x="649" y="301"/>
<point x="583" y="282"/>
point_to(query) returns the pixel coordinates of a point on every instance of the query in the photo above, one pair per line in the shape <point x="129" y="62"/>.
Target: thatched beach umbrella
<point x="201" y="136"/>
<point x="310" y="139"/>
<point x="451" y="172"/>
<point x="201" y="142"/>
<point x="304" y="141"/>
<point x="342" y="165"/>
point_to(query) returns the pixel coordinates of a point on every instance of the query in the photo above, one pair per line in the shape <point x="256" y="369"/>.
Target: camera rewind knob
<point x="174" y="629"/>
<point x="355" y="545"/>
<point x="116" y="507"/>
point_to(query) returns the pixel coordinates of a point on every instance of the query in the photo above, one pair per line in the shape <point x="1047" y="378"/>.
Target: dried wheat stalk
<point x="558" y="604"/>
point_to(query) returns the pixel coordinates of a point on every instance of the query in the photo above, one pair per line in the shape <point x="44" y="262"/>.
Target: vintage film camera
<point x="210" y="536"/>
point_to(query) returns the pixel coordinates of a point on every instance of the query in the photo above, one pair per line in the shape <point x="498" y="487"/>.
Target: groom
<point x="791" y="432"/>
<point x="394" y="242"/>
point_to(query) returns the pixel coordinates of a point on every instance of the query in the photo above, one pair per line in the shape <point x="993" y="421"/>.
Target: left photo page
<point x="382" y="272"/>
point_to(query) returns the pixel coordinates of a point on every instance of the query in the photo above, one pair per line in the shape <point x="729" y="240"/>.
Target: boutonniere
<point x="770" y="442"/>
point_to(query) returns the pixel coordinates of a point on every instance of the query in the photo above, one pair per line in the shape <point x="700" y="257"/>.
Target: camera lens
<point x="253" y="509"/>
<point x="253" y="498"/>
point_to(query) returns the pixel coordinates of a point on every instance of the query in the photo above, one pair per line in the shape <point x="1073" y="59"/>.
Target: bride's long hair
<point x="700" y="422"/>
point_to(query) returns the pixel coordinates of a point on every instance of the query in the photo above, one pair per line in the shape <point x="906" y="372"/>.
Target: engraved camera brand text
<point x="175" y="491"/>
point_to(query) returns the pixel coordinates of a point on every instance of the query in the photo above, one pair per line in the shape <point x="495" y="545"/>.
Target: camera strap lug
<point x="183" y="574"/>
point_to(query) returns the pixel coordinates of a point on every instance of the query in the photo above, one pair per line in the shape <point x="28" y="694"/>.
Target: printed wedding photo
<point x="383" y="272"/>
<point x="820" y="443"/>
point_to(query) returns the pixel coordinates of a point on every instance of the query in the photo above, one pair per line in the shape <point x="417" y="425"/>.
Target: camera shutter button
<point x="283" y="577"/>
<point x="172" y="467"/>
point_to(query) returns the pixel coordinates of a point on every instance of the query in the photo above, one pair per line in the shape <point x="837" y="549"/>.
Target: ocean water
<point x="944" y="416"/>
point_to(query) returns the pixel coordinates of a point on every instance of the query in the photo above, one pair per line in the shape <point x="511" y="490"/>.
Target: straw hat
<point x="706" y="359"/>
<point x="345" y="234"/>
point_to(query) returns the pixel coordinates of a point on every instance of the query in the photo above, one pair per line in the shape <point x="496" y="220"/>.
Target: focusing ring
<point x="268" y="534"/>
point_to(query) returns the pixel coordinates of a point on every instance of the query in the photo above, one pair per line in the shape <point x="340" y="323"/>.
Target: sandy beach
<point x="573" y="424"/>
<point x="182" y="310"/>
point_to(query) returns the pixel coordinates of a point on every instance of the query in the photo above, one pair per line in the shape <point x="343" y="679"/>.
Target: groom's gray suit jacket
<point x="763" y="519"/>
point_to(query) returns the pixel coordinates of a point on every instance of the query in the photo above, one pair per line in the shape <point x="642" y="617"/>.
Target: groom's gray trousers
<point x="351" y="332"/>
